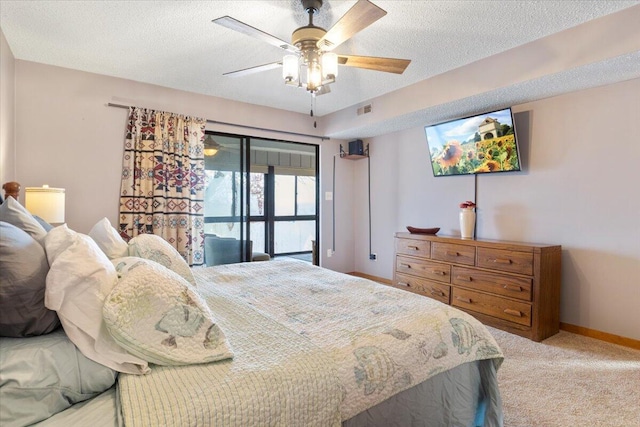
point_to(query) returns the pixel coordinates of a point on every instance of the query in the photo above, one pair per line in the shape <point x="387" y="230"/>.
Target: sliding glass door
<point x="225" y="215"/>
<point x="280" y="181"/>
<point x="283" y="213"/>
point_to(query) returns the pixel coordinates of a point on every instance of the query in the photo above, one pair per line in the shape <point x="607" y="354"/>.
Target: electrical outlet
<point x="373" y="257"/>
<point x="329" y="253"/>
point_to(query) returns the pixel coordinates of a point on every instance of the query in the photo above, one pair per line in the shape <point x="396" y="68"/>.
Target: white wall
<point x="579" y="189"/>
<point x="342" y="258"/>
<point x="610" y="36"/>
<point x="7" y="117"/>
<point x="67" y="136"/>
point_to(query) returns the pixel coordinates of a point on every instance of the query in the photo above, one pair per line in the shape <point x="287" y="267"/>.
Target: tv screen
<point x="483" y="143"/>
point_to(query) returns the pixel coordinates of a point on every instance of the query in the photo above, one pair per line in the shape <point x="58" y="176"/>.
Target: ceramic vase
<point x="467" y="222"/>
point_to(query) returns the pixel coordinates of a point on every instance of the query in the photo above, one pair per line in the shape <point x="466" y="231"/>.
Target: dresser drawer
<point x="451" y="252"/>
<point x="499" y="259"/>
<point x="423" y="268"/>
<point x="495" y="283"/>
<point x="435" y="290"/>
<point x="502" y="308"/>
<point x="413" y="247"/>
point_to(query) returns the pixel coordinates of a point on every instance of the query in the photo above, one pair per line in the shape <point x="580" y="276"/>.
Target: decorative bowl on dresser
<point x="508" y="285"/>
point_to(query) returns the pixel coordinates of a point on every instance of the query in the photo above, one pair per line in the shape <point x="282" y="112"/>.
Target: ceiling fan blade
<point x="388" y="65"/>
<point x="241" y="27"/>
<point x="359" y="17"/>
<point x="253" y="70"/>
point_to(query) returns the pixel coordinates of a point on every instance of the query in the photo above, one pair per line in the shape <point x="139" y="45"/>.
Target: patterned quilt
<point x="374" y="340"/>
<point x="275" y="378"/>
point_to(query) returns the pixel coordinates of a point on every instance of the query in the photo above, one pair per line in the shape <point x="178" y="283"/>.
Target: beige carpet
<point x="568" y="380"/>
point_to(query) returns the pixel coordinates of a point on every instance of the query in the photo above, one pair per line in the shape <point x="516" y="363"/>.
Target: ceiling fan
<point x="311" y="47"/>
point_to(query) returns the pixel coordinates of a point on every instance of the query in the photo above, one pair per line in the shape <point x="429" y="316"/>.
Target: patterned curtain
<point x="163" y="176"/>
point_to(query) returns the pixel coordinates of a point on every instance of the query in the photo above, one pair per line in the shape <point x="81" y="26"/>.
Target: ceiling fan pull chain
<point x="313" y="103"/>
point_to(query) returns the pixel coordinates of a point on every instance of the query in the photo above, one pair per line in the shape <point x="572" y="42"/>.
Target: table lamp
<point x="46" y="202"/>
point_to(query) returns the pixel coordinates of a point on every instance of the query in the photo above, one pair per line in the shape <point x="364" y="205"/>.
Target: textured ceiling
<point x="174" y="44"/>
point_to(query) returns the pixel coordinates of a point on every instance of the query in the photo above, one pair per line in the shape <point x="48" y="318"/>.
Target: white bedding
<point x="350" y="344"/>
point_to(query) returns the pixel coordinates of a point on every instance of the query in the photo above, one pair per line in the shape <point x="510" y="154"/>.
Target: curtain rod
<point x="111" y="104"/>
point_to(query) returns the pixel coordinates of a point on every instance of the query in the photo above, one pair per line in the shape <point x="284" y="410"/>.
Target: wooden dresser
<point x="508" y="285"/>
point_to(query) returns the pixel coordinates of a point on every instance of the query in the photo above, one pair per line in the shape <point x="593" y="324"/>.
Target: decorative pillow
<point x="125" y="264"/>
<point x="155" y="314"/>
<point x="44" y="375"/>
<point x="155" y="248"/>
<point x="108" y="239"/>
<point x="79" y="279"/>
<point x="23" y="272"/>
<point x="15" y="214"/>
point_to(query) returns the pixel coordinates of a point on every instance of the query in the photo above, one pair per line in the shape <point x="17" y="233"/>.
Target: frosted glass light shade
<point x="314" y="76"/>
<point x="290" y="68"/>
<point x="329" y="65"/>
<point x="46" y="202"/>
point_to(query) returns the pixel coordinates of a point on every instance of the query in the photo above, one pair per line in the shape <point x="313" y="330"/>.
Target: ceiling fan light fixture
<point x="290" y="68"/>
<point x="311" y="47"/>
<point x="322" y="69"/>
<point x="211" y="147"/>
<point x="329" y="66"/>
<point x="314" y="76"/>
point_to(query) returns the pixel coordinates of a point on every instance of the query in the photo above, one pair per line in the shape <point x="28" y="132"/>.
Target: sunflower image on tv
<point x="478" y="144"/>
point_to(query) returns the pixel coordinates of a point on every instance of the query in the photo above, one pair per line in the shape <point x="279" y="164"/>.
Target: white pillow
<point x="15" y="214"/>
<point x="155" y="248"/>
<point x="58" y="241"/>
<point x="108" y="239"/>
<point x="79" y="279"/>
<point x="155" y="314"/>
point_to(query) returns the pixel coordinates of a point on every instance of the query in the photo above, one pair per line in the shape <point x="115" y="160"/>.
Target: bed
<point x="306" y="347"/>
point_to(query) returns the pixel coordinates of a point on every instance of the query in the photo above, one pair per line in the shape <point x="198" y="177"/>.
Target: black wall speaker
<point x="356" y="148"/>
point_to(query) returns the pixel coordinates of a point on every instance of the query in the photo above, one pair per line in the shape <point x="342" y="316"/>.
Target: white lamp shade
<point x="290" y="68"/>
<point x="46" y="202"/>
<point x="329" y="65"/>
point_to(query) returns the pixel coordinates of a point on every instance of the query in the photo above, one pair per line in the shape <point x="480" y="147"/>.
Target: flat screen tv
<point x="484" y="143"/>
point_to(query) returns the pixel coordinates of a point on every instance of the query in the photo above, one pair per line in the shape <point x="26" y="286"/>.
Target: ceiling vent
<point x="364" y="110"/>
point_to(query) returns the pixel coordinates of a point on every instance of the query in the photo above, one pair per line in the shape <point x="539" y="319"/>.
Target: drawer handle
<point x="467" y="300"/>
<point x="436" y="292"/>
<point x="465" y="278"/>
<point x="452" y="253"/>
<point x="513" y="312"/>
<point x="415" y="248"/>
<point x="404" y="284"/>
<point x="405" y="265"/>
<point x="513" y="288"/>
<point x="502" y="261"/>
<point x="438" y="272"/>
